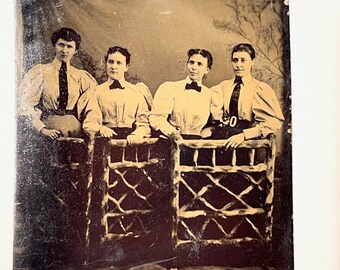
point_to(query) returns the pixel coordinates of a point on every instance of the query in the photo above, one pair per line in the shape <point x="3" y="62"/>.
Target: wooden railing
<point x="223" y="202"/>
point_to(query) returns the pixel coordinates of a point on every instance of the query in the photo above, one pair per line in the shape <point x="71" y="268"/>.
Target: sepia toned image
<point x="153" y="134"/>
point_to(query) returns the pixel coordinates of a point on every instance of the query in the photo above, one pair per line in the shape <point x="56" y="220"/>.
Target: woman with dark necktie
<point x="50" y="95"/>
<point x="244" y="108"/>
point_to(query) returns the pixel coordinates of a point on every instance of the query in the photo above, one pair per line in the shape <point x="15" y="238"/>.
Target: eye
<point x="191" y="62"/>
<point x="69" y="46"/>
<point x="119" y="63"/>
<point x="234" y="60"/>
<point x="200" y="64"/>
<point x="110" y="61"/>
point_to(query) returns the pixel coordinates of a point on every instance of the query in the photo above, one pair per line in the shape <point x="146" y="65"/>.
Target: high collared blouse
<point x="257" y="104"/>
<point x="41" y="84"/>
<point x="117" y="108"/>
<point x="175" y="108"/>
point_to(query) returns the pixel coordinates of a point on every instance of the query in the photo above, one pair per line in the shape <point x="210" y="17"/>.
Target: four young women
<point x="54" y="95"/>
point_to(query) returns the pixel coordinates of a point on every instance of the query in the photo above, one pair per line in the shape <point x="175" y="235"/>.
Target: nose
<point x="194" y="66"/>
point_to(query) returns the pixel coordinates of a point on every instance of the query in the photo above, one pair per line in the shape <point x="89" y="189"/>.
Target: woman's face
<point x="242" y="63"/>
<point x="64" y="50"/>
<point x="116" y="66"/>
<point x="197" y="67"/>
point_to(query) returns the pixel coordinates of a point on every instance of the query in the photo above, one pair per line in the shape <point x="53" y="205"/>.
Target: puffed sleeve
<point x="93" y="114"/>
<point x="29" y="94"/>
<point x="163" y="105"/>
<point x="144" y="90"/>
<point x="216" y="105"/>
<point x="87" y="82"/>
<point x="142" y="118"/>
<point x="267" y="112"/>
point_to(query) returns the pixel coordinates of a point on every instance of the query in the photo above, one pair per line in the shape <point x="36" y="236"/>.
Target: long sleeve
<point x="93" y="114"/>
<point x="87" y="82"/>
<point x="29" y="95"/>
<point x="216" y="106"/>
<point x="267" y="113"/>
<point x="163" y="105"/>
<point x="144" y="90"/>
<point x="142" y="118"/>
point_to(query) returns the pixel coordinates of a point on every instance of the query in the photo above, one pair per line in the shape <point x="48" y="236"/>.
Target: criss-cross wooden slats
<point x="245" y="205"/>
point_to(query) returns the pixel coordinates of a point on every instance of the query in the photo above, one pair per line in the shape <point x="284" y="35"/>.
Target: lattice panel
<point x="221" y="229"/>
<point x="223" y="191"/>
<point x="131" y="189"/>
<point x="226" y="199"/>
<point x="223" y="196"/>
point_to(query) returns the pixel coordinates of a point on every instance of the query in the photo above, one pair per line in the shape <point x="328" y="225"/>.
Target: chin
<point x="114" y="78"/>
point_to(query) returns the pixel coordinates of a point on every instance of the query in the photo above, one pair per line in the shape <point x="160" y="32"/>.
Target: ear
<point x="127" y="67"/>
<point x="207" y="71"/>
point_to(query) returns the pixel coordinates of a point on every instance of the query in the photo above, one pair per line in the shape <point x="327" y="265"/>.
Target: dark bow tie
<point x="238" y="80"/>
<point x="116" y="85"/>
<point x="193" y="86"/>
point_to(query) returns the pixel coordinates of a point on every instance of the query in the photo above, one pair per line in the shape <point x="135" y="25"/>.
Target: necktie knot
<point x="116" y="85"/>
<point x="193" y="86"/>
<point x="63" y="66"/>
<point x="238" y="80"/>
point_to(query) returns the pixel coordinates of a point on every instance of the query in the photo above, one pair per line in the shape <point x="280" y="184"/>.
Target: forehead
<point x="116" y="56"/>
<point x="198" y="58"/>
<point x="239" y="55"/>
<point x="63" y="41"/>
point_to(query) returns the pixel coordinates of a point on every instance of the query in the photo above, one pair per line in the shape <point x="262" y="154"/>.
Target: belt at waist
<point x="239" y="124"/>
<point x="191" y="137"/>
<point x="122" y="132"/>
<point x="61" y="112"/>
<point x="224" y="131"/>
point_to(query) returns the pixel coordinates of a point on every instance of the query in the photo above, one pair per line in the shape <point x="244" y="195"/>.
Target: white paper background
<point x="315" y="59"/>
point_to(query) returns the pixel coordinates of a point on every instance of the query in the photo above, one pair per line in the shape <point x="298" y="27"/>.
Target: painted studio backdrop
<point x="158" y="34"/>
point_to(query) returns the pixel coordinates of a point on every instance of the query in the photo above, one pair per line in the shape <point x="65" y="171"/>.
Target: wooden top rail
<point x="123" y="142"/>
<point x="70" y="139"/>
<point x="199" y="143"/>
<point x="221" y="143"/>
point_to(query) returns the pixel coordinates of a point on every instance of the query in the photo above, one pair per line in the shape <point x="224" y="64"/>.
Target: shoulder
<point x="262" y="87"/>
<point x="38" y="69"/>
<point x="171" y="86"/>
<point x="131" y="87"/>
<point x="205" y="89"/>
<point x="143" y="89"/>
<point x="81" y="73"/>
<point x="98" y="89"/>
<point x="226" y="83"/>
<point x="219" y="87"/>
<point x="264" y="91"/>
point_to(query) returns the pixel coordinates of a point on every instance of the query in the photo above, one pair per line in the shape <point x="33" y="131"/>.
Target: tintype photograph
<point x="153" y="134"/>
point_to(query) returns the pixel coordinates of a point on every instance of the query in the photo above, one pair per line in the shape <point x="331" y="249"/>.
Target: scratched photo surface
<point x="136" y="195"/>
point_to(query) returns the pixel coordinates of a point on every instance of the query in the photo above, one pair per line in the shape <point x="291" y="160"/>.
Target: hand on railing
<point x="133" y="139"/>
<point x="106" y="132"/>
<point x="234" y="141"/>
<point x="50" y="133"/>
